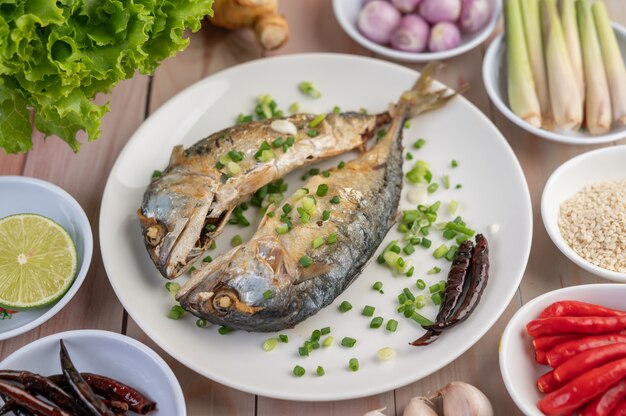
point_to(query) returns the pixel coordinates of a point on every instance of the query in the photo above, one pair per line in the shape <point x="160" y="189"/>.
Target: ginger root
<point x="271" y="29"/>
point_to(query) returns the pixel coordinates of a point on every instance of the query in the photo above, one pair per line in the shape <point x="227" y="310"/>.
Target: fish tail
<point x="422" y="98"/>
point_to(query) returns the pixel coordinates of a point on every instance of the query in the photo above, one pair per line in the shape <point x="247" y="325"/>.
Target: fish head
<point x="251" y="278"/>
<point x="173" y="220"/>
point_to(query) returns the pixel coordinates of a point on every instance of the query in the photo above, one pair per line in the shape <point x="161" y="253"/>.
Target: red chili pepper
<point x="620" y="410"/>
<point x="588" y="360"/>
<point x="563" y="352"/>
<point x="575" y="325"/>
<point x="546" y="342"/>
<point x="603" y="404"/>
<point x="547" y="383"/>
<point x="576" y="308"/>
<point x="540" y="357"/>
<point x="583" y="388"/>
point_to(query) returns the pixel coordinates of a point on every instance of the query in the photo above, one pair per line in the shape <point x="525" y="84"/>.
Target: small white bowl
<point x="517" y="359"/>
<point x="347" y="12"/>
<point x="599" y="165"/>
<point x="495" y="80"/>
<point x="21" y="195"/>
<point x="109" y="354"/>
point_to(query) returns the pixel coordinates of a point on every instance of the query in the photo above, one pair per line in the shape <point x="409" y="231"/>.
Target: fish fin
<point x="177" y="155"/>
<point x="422" y="98"/>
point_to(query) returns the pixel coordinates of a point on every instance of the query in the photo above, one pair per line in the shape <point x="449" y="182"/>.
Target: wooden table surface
<point x="314" y="29"/>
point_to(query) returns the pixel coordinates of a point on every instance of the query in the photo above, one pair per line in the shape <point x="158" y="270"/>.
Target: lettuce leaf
<point x="56" y="55"/>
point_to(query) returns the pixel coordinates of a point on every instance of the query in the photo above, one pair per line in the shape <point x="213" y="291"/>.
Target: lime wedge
<point x="37" y="261"/>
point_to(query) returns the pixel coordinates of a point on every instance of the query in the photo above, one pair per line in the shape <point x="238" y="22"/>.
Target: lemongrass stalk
<point x="523" y="98"/>
<point x="572" y="39"/>
<point x="598" y="116"/>
<point x="613" y="62"/>
<point x="565" y="98"/>
<point x="531" y="14"/>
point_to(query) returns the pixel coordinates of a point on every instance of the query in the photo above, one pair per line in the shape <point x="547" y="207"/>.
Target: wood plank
<point x="11" y="164"/>
<point x="84" y="175"/>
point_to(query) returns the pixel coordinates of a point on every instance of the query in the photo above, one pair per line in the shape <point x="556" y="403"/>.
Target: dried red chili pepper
<point x="604" y="404"/>
<point x="563" y="352"/>
<point x="583" y="388"/>
<point x="29" y="402"/>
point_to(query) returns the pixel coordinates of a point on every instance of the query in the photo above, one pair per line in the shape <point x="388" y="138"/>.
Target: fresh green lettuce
<point x="56" y="55"/>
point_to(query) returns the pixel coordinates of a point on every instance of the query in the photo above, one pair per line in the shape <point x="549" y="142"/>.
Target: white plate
<point x="494" y="191"/>
<point x="108" y="354"/>
<point x="517" y="358"/>
<point x="494" y="78"/>
<point x="347" y="12"/>
<point x="21" y="195"/>
<point x="599" y="165"/>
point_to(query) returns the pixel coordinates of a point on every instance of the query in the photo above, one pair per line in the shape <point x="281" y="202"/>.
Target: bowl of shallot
<point x="418" y="30"/>
<point x="559" y="72"/>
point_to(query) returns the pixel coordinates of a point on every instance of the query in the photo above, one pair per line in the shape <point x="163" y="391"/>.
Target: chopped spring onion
<point x="233" y="168"/>
<point x="326" y="174"/>
<point x="420" y="319"/>
<point x="453" y="207"/>
<point x="419" y="143"/>
<point x="192" y="269"/>
<point x="176" y="312"/>
<point x="315" y="335"/>
<point x="420" y="302"/>
<point x="207" y="259"/>
<point x="318" y="242"/>
<point x="408" y="249"/>
<point x="316" y="121"/>
<point x="451" y="253"/>
<point x="298" y="371"/>
<point x="446" y="181"/>
<point x="420" y="173"/>
<point x="392" y="325"/>
<point x="156" y="174"/>
<point x="172" y="287"/>
<point x="213" y="245"/>
<point x="306" y="261"/>
<point x="202" y="323"/>
<point x="325" y="215"/>
<point x="449" y="234"/>
<point x="395" y="248"/>
<point x="322" y="190"/>
<point x="433" y="187"/>
<point x="282" y="229"/>
<point x="312" y="133"/>
<point x="304" y="216"/>
<point x="320" y="371"/>
<point x="368" y="310"/>
<point x="266" y="156"/>
<point x="434" y="270"/>
<point x="409" y="156"/>
<point x="303" y="351"/>
<point x="310" y="172"/>
<point x="345" y="306"/>
<point x="223" y="330"/>
<point x="378" y="286"/>
<point x="436" y="298"/>
<point x="407" y="124"/>
<point x="235" y="156"/>
<point x="348" y="342"/>
<point x="294" y="108"/>
<point x="328" y="341"/>
<point x="331" y="239"/>
<point x="270" y="344"/>
<point x="307" y="88"/>
<point x="454" y="163"/>
<point x="299" y="194"/>
<point x="408" y="294"/>
<point x="381" y="133"/>
<point x="236" y="240"/>
<point x="426" y="243"/>
<point x="335" y="200"/>
<point x="376" y="322"/>
<point x="436" y="288"/>
<point x="283" y="338"/>
<point x="363" y="110"/>
<point x="268" y="294"/>
<point x="459" y="228"/>
<point x="386" y="354"/>
<point x="341" y="165"/>
<point x="336" y="109"/>
<point x="353" y="364"/>
<point x="440" y="251"/>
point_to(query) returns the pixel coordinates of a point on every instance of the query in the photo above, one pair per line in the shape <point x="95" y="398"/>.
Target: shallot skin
<point x="411" y="35"/>
<point x="377" y="20"/>
<point x="436" y="11"/>
<point x="444" y="36"/>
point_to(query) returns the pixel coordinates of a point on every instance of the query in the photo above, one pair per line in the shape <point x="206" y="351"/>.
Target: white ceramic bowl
<point x="495" y="80"/>
<point x="596" y="166"/>
<point x="108" y="354"/>
<point x="517" y="363"/>
<point x="21" y="195"/>
<point x="347" y="11"/>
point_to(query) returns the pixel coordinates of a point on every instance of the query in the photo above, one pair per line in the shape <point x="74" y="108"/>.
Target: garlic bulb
<point x="284" y="126"/>
<point x="377" y="412"/>
<point x="462" y="399"/>
<point x="419" y="406"/>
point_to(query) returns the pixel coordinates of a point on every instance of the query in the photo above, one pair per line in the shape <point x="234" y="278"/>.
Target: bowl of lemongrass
<point x="559" y="72"/>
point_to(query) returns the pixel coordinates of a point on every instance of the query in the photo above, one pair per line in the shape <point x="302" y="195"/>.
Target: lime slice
<point x="37" y="261"/>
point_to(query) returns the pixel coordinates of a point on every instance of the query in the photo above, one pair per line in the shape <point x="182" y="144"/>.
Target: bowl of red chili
<point x="565" y="352"/>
